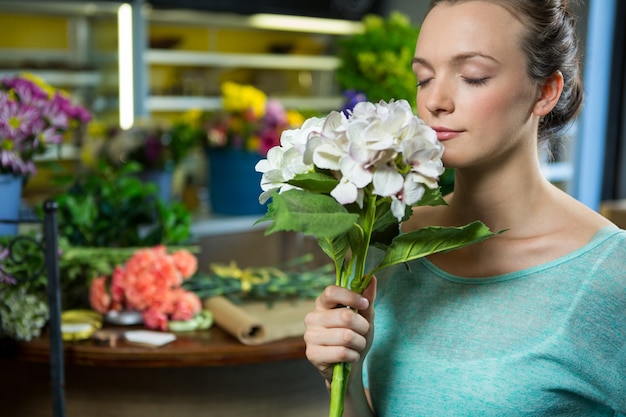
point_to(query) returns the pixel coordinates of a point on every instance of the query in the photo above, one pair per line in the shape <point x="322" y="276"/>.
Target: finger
<point x="334" y="296"/>
<point x="341" y="338"/>
<point x="324" y="357"/>
<point x="343" y="318"/>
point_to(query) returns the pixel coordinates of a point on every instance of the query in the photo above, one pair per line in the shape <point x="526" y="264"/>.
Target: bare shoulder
<point x="576" y="219"/>
<point x="557" y="225"/>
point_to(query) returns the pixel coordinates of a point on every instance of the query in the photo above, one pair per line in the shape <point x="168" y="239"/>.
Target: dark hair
<point x="550" y="44"/>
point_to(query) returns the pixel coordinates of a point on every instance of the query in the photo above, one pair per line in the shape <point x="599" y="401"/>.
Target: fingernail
<point x="363" y="303"/>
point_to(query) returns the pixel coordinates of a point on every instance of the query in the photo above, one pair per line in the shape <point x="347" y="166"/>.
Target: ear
<point x="549" y="94"/>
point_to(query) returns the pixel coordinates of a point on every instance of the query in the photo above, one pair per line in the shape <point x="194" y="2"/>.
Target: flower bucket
<point x="11" y="194"/>
<point x="234" y="185"/>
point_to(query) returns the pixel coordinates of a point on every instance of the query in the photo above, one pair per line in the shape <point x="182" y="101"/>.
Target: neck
<point x="503" y="197"/>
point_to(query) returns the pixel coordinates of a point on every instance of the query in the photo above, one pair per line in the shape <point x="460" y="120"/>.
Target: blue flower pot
<point x="234" y="185"/>
<point x="162" y="178"/>
<point x="11" y="194"/>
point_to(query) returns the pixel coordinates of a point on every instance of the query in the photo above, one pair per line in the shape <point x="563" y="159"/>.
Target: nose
<point x="437" y="97"/>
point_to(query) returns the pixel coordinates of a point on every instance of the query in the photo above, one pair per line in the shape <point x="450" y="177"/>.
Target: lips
<point x="444" y="133"/>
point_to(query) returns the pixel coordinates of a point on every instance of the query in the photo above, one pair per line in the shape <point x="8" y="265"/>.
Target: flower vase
<point x="234" y="185"/>
<point x="11" y="192"/>
<point x="162" y="178"/>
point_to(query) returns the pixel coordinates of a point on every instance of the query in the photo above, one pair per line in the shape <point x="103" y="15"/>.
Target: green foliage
<point x="446" y="181"/>
<point x="377" y="61"/>
<point x="342" y="230"/>
<point x="318" y="215"/>
<point x="77" y="265"/>
<point x="429" y="240"/>
<point x="182" y="138"/>
<point x="291" y="280"/>
<point x="108" y="209"/>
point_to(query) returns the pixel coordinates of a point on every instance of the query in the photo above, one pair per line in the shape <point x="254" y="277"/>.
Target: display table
<point x="212" y="347"/>
<point x="204" y="373"/>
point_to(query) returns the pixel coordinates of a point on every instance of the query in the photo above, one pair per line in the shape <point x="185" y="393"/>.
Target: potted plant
<point x="235" y="138"/>
<point x="376" y="63"/>
<point x="33" y="117"/>
<point x="113" y="208"/>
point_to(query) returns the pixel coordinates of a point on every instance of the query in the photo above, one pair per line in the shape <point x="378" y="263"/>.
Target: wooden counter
<point x="213" y="347"/>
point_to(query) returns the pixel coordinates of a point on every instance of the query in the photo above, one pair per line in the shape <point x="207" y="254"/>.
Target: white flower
<point x="284" y="162"/>
<point x="383" y="146"/>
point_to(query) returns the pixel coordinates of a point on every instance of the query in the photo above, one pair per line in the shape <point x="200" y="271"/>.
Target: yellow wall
<point x="33" y="32"/>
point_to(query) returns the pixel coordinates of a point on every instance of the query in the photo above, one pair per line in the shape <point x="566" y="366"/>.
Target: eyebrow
<point x="457" y="58"/>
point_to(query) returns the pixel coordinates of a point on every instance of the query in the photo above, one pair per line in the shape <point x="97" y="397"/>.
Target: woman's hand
<point x="337" y="334"/>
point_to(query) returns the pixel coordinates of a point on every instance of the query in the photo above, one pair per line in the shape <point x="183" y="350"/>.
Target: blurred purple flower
<point x="352" y="98"/>
<point x="33" y="116"/>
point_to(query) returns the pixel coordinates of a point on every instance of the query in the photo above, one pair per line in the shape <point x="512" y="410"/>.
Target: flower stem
<point x="338" y="389"/>
<point x="341" y="371"/>
<point x="369" y="218"/>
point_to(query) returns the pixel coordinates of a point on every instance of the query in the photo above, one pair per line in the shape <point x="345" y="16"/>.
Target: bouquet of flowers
<point x="33" y="116"/>
<point x="249" y="120"/>
<point x="349" y="180"/>
<point x="150" y="283"/>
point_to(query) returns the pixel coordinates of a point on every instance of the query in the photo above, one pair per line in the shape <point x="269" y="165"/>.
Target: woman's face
<point x="473" y="88"/>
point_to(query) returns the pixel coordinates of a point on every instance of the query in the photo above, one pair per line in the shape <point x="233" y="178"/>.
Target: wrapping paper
<point x="254" y="323"/>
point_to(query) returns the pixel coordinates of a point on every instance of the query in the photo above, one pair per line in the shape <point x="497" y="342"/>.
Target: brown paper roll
<point x="260" y="322"/>
<point x="236" y="321"/>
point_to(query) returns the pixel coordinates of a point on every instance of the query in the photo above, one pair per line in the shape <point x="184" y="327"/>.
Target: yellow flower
<point x="239" y="98"/>
<point x="47" y="88"/>
<point x="192" y="116"/>
<point x="294" y="118"/>
<point x="253" y="143"/>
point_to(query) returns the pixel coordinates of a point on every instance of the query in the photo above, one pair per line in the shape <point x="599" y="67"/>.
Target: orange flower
<point x="150" y="282"/>
<point x="99" y="298"/>
<point x="186" y="263"/>
<point x="186" y="306"/>
<point x="154" y="319"/>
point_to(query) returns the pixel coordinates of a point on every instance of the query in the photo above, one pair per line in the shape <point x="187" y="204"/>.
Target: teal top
<point x="545" y="341"/>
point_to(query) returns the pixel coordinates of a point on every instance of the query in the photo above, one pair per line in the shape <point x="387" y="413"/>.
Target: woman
<point x="530" y="322"/>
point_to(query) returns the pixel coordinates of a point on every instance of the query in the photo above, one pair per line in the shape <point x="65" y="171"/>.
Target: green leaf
<point x="316" y="215"/>
<point x="336" y="248"/>
<point x="429" y="240"/>
<point x="315" y="181"/>
<point x="432" y="198"/>
<point x="384" y="216"/>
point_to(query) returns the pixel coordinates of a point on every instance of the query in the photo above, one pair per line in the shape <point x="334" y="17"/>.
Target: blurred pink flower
<point x="99" y="297"/>
<point x="186" y="305"/>
<point x="186" y="263"/>
<point x="150" y="282"/>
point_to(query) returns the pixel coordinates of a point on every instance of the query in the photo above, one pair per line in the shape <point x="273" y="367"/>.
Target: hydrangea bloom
<point x="23" y="313"/>
<point x="383" y="146"/>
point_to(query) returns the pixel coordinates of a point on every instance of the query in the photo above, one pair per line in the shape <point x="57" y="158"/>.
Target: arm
<point x="336" y="335"/>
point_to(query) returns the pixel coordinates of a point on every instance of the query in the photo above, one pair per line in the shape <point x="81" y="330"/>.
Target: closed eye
<point x="422" y="83"/>
<point x="476" y="81"/>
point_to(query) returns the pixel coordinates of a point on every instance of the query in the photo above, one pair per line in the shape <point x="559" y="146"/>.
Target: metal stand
<point x="51" y="261"/>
